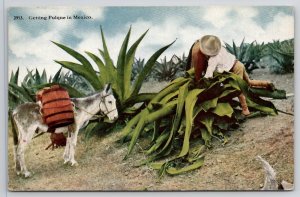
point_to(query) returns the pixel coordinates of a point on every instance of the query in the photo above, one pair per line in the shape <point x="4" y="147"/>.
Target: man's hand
<point x="208" y="76"/>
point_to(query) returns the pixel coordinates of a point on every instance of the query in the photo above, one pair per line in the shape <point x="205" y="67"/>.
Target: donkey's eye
<point x="110" y="102"/>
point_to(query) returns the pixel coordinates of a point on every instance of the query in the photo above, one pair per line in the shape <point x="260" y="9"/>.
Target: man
<point x="197" y="60"/>
<point x="208" y="52"/>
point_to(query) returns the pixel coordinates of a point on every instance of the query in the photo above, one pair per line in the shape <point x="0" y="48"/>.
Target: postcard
<point x="151" y="98"/>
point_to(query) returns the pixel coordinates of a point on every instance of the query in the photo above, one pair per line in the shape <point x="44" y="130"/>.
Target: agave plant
<point x="137" y="68"/>
<point x="77" y="82"/>
<point x="14" y="98"/>
<point x="182" y="62"/>
<point x="167" y="70"/>
<point x="184" y="117"/>
<point x="33" y="82"/>
<point x="248" y="54"/>
<point x="283" y="54"/>
<point x="25" y="92"/>
<point x="239" y="52"/>
<point x="253" y="55"/>
<point x="118" y="75"/>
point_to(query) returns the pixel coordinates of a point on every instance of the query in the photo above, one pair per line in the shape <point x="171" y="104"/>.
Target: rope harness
<point x="102" y="113"/>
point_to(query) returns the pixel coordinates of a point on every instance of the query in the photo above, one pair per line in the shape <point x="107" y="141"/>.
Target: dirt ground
<point x="230" y="167"/>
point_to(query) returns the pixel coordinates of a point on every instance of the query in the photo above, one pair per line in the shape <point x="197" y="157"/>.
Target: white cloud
<point x="236" y="23"/>
<point x="95" y="13"/>
<point x="217" y="15"/>
<point x="245" y="12"/>
<point x="281" y="28"/>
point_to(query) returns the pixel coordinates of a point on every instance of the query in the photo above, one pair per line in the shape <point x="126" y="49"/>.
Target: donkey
<point x="26" y="120"/>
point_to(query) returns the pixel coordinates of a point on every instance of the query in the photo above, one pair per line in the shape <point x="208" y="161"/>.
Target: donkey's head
<point x="108" y="105"/>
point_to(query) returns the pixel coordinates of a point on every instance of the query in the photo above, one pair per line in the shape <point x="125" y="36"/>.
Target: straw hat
<point x="210" y="45"/>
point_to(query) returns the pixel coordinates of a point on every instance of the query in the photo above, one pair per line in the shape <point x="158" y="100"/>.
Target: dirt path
<point x="230" y="167"/>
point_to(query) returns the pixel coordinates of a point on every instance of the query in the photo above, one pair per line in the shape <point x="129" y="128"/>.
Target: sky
<point x="30" y="46"/>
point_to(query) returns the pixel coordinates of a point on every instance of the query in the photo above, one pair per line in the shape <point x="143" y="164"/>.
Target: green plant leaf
<point x="14" y="77"/>
<point x="229" y="48"/>
<point x="91" y="77"/>
<point x="161" y="112"/>
<point x="207" y="121"/>
<point x="136" y="132"/>
<point x="56" y="77"/>
<point x="168" y="89"/>
<point x="30" y="91"/>
<point x="197" y="164"/>
<point x="128" y="65"/>
<point x="21" y="92"/>
<point x="156" y="127"/>
<point x="271" y="110"/>
<point x="183" y="92"/>
<point x="29" y="78"/>
<point x="74" y="93"/>
<point x="116" y="82"/>
<point x="142" y="97"/>
<point x="90" y="129"/>
<point x="77" y="56"/>
<point x="229" y="93"/>
<point x="158" y="142"/>
<point x="44" y="77"/>
<point x="131" y="124"/>
<point x="156" y="165"/>
<point x="223" y="109"/>
<point x="276" y="94"/>
<point x="113" y="76"/>
<point x="107" y="59"/>
<point x="205" y="136"/>
<point x="168" y="97"/>
<point x="104" y="74"/>
<point x="121" y="63"/>
<point x="206" y="105"/>
<point x="235" y="51"/>
<point x="16" y="96"/>
<point x="38" y="79"/>
<point x="148" y="66"/>
<point x="190" y="102"/>
<point x="96" y="127"/>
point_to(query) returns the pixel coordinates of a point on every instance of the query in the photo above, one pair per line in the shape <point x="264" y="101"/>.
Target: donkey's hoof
<point x="27" y="174"/>
<point x="66" y="162"/>
<point x="74" y="163"/>
<point x="18" y="173"/>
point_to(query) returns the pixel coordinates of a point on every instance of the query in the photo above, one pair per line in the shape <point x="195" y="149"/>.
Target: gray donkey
<point x="26" y="119"/>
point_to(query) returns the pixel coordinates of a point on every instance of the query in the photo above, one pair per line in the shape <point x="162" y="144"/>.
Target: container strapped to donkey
<point x="56" y="107"/>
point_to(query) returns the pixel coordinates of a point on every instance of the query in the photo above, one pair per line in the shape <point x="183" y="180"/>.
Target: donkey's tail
<point x="189" y="59"/>
<point x="13" y="128"/>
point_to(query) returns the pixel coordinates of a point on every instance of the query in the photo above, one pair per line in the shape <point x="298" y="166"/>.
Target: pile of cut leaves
<point x="183" y="118"/>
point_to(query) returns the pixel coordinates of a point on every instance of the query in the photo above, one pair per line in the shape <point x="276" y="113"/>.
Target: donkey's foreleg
<point x="16" y="136"/>
<point x="66" y="155"/>
<point x="17" y="161"/>
<point x="73" y="146"/>
<point x="24" y="139"/>
<point x="21" y="158"/>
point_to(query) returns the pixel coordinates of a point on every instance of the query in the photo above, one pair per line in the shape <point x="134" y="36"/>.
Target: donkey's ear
<point x="107" y="88"/>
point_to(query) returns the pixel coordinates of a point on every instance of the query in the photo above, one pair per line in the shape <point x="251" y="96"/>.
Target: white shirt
<point x="222" y="62"/>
